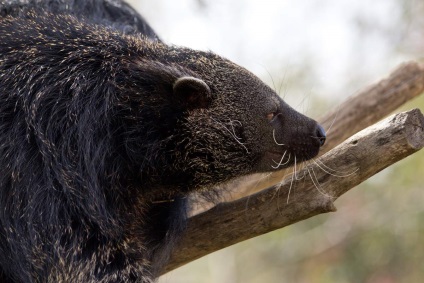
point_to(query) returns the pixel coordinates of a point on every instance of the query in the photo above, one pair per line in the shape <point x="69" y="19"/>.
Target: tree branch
<point x="354" y="161"/>
<point x="358" y="112"/>
<point x="367" y="152"/>
<point x="373" y="103"/>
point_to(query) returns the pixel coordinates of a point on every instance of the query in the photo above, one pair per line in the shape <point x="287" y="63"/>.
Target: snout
<point x="320" y="135"/>
<point x="295" y="138"/>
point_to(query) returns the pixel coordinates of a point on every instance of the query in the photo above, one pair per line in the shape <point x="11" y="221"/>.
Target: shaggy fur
<point x="104" y="133"/>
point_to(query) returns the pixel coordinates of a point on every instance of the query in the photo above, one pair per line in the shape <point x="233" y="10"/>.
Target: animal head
<point x="221" y="121"/>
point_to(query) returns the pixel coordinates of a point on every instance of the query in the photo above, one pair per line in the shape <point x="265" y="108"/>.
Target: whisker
<point x="334" y="119"/>
<point x="291" y="185"/>
<point x="282" y="84"/>
<point x="233" y="134"/>
<point x="316" y="182"/>
<point x="329" y="168"/>
<point x="281" y="160"/>
<point x="304" y="164"/>
<point x="295" y="168"/>
<point x="272" y="79"/>
<point x="275" y="140"/>
<point x="302" y="102"/>
<point x="278" y="190"/>
<point x="332" y="174"/>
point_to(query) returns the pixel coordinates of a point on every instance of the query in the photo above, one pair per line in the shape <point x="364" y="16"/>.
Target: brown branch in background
<point x="373" y="103"/>
<point x="321" y="182"/>
<point x="358" y="112"/>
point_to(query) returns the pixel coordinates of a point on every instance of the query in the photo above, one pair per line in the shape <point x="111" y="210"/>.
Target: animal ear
<point x="193" y="93"/>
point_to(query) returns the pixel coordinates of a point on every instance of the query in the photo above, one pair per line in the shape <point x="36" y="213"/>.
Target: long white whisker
<point x="331" y="169"/>
<point x="295" y="168"/>
<point x="334" y="119"/>
<point x="332" y="174"/>
<point x="237" y="139"/>
<point x="277" y="190"/>
<point x="316" y="182"/>
<point x="272" y="79"/>
<point x="275" y="140"/>
<point x="302" y="102"/>
<point x="291" y="185"/>
<point x="295" y="163"/>
<point x="296" y="176"/>
<point x="281" y="161"/>
<point x="232" y="126"/>
<point x="303" y="164"/>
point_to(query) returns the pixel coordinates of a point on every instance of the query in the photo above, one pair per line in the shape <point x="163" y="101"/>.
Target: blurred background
<point x="315" y="53"/>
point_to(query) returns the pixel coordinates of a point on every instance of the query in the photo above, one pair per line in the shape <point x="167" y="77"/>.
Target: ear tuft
<point x="193" y="93"/>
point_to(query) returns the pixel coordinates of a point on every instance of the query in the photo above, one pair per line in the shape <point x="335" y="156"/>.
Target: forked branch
<point x="315" y="187"/>
<point x="358" y="112"/>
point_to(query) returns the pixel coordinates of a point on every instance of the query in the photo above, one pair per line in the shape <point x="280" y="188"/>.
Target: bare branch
<point x="324" y="180"/>
<point x="360" y="111"/>
<point x="373" y="103"/>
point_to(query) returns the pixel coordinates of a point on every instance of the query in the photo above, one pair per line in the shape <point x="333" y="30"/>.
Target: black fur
<point x="104" y="131"/>
<point x="112" y="13"/>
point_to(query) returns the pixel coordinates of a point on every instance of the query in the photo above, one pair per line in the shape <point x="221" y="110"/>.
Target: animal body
<point x="105" y="131"/>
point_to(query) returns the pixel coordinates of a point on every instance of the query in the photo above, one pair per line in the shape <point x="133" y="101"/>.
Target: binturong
<point x="105" y="130"/>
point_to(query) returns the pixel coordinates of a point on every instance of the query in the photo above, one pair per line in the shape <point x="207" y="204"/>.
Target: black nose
<point x="321" y="135"/>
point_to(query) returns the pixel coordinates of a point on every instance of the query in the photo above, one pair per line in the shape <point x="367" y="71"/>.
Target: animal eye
<point x="271" y="116"/>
